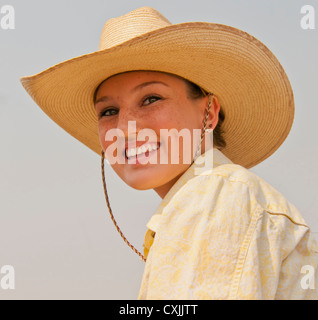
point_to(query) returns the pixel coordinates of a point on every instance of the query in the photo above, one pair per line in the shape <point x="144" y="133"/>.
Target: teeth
<point x="144" y="148"/>
<point x="132" y="152"/>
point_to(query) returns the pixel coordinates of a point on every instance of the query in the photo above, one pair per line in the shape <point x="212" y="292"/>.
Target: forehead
<point x="132" y="78"/>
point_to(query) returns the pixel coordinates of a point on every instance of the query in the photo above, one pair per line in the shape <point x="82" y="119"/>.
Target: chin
<point x="149" y="178"/>
<point x="146" y="180"/>
<point x="139" y="184"/>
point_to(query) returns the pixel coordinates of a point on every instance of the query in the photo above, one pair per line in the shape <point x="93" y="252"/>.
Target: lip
<point x="142" y="155"/>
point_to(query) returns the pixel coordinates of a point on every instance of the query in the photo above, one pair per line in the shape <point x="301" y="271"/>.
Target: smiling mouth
<point x="143" y="151"/>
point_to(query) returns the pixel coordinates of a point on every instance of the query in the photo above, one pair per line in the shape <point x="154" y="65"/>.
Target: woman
<point x="220" y="232"/>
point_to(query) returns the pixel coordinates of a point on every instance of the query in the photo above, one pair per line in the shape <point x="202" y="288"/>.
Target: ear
<point x="213" y="117"/>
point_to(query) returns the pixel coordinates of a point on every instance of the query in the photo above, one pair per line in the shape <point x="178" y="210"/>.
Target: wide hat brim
<point x="252" y="86"/>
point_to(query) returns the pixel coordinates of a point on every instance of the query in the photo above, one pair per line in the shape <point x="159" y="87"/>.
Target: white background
<point x="54" y="223"/>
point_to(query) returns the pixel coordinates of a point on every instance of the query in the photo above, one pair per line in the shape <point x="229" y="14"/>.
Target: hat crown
<point x="131" y="25"/>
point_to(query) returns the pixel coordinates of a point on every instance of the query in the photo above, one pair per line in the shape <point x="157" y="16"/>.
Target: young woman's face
<point x="155" y="101"/>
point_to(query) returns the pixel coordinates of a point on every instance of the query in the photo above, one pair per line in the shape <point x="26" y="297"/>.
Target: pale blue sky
<point x="54" y="224"/>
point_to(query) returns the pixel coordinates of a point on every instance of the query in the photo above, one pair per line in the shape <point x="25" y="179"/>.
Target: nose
<point x="127" y="123"/>
<point x="134" y="129"/>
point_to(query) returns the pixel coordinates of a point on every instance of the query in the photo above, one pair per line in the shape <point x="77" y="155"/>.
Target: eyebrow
<point x="139" y="87"/>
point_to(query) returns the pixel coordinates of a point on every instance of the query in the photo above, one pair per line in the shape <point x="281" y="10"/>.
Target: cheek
<point x="101" y="136"/>
<point x="187" y="122"/>
<point x="169" y="118"/>
<point x="185" y="115"/>
<point x="102" y="129"/>
<point x="182" y="121"/>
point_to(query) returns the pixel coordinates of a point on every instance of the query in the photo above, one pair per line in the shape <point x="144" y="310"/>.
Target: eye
<point x="107" y="113"/>
<point x="151" y="99"/>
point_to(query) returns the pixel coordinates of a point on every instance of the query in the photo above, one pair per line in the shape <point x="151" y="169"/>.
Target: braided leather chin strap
<point x="210" y="95"/>
<point x="111" y="213"/>
<point x="105" y="189"/>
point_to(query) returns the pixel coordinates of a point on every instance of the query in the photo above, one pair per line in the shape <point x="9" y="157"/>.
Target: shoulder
<point x="263" y="214"/>
<point x="254" y="192"/>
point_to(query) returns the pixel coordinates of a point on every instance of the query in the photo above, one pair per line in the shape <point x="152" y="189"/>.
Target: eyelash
<point x="102" y="113"/>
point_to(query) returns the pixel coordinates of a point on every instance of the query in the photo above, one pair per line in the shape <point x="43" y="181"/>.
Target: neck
<point x="164" y="189"/>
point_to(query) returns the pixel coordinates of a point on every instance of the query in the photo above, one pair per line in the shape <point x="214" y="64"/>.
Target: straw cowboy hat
<point x="252" y="87"/>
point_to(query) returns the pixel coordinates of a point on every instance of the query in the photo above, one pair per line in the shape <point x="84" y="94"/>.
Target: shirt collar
<point x="201" y="166"/>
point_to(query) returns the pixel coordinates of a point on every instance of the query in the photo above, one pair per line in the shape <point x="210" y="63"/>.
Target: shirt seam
<point x="274" y="213"/>
<point x="264" y="208"/>
<point x="243" y="254"/>
<point x="231" y="179"/>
